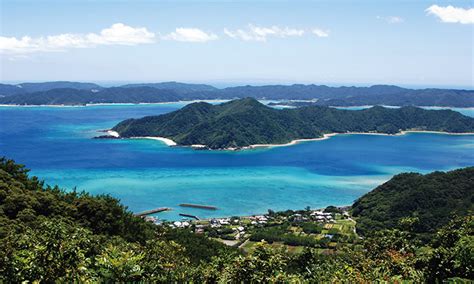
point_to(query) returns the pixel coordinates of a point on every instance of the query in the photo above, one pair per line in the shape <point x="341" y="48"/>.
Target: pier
<point x="207" y="207"/>
<point x="189" y="216"/>
<point x="152" y="211"/>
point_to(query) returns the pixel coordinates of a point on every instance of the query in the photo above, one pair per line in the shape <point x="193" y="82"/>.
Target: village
<point x="325" y="229"/>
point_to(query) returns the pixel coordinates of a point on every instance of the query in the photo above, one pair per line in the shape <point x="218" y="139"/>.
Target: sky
<point x="365" y="42"/>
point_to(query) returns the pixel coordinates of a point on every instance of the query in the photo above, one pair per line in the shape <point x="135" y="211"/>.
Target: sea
<point x="56" y="144"/>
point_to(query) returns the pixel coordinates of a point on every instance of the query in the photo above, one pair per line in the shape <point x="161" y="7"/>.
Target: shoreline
<point x="115" y="135"/>
<point x="167" y="141"/>
<point x="329" y="135"/>
<point x="171" y="143"/>
<point x="211" y="100"/>
<point x="115" y="104"/>
<point x="244" y="216"/>
<point x="292" y="142"/>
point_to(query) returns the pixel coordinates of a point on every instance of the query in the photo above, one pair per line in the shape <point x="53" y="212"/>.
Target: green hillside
<point x="48" y="235"/>
<point x="245" y="122"/>
<point x="53" y="93"/>
<point x="425" y="202"/>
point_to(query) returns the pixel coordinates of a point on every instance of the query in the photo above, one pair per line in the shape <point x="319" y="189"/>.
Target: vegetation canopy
<point x="76" y="93"/>
<point x="49" y="235"/>
<point x="246" y="122"/>
<point x="423" y="202"/>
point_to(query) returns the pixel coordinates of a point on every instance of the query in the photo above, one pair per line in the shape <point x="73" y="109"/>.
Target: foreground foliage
<point x="49" y="235"/>
<point x="425" y="203"/>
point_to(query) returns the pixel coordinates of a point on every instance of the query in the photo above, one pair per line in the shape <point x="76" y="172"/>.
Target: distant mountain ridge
<point x="50" y="93"/>
<point x="246" y="122"/>
<point x="182" y="88"/>
<point x="8" y="90"/>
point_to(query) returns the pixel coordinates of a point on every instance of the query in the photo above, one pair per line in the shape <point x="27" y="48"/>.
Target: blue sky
<point x="234" y="42"/>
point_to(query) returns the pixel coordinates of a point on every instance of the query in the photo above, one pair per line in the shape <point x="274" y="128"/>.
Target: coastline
<point x="115" y="134"/>
<point x="167" y="141"/>
<point x="116" y="104"/>
<point x="292" y="142"/>
<point x="210" y="101"/>
<point x="171" y="143"/>
<point x="246" y="216"/>
<point x="329" y="135"/>
<point x="434" y="132"/>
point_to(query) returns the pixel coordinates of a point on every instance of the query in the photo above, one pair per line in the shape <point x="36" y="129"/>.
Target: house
<point x="199" y="231"/>
<point x="225" y="221"/>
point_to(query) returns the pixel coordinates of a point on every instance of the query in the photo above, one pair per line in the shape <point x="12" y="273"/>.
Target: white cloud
<point x="452" y="14"/>
<point x="124" y="35"/>
<point x="320" y="32"/>
<point x="13" y="44"/>
<point x="117" y="34"/>
<point x="190" y="35"/>
<point x="391" y="19"/>
<point x="255" y="33"/>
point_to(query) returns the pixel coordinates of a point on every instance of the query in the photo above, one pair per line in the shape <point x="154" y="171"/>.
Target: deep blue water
<point x="55" y="142"/>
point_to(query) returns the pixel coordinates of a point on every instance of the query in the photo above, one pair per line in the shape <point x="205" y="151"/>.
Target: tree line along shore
<point x="247" y="123"/>
<point x="79" y="93"/>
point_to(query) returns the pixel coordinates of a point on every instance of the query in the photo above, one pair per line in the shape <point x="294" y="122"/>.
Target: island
<point x="247" y="123"/>
<point x="77" y="93"/>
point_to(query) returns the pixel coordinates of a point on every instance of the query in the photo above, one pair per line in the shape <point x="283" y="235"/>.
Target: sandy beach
<point x="293" y="142"/>
<point x="113" y="133"/>
<point x="167" y="141"/>
<point x="116" y="104"/>
<point x="434" y="132"/>
<point x="327" y="136"/>
<point x="170" y="142"/>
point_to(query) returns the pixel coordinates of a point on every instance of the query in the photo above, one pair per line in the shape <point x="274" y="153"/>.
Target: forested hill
<point x="8" y="90"/>
<point x="48" y="235"/>
<point x="424" y="202"/>
<point x="358" y="96"/>
<point x="180" y="88"/>
<point x="245" y="122"/>
<point x="50" y="93"/>
<point x="82" y="97"/>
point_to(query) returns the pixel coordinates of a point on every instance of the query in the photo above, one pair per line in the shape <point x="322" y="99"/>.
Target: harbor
<point x="189" y="216"/>
<point x="152" y="211"/>
<point x="145" y="214"/>
<point x="199" y="206"/>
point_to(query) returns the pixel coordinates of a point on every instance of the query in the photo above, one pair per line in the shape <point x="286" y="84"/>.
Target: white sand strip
<point x="293" y="142"/>
<point x="198" y="146"/>
<point x="170" y="142"/>
<point x="434" y="132"/>
<point x="167" y="141"/>
<point x="113" y="133"/>
<point x="327" y="136"/>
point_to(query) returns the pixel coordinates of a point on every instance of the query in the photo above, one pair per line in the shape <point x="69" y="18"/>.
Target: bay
<point x="55" y="142"/>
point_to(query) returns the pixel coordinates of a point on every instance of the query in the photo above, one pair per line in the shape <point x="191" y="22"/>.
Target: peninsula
<point x="79" y="94"/>
<point x="246" y="123"/>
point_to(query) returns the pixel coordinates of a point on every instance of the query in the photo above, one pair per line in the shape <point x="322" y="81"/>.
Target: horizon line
<point x="237" y="83"/>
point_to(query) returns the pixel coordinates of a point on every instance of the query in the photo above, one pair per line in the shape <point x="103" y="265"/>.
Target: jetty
<point x="207" y="207"/>
<point x="189" y="216"/>
<point x="152" y="211"/>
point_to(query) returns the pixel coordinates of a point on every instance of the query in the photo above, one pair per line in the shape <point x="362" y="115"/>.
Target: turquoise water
<point x="55" y="142"/>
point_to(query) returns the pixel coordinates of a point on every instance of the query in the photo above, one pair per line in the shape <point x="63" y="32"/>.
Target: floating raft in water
<point x="189" y="215"/>
<point x="207" y="207"/>
<point x="152" y="211"/>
